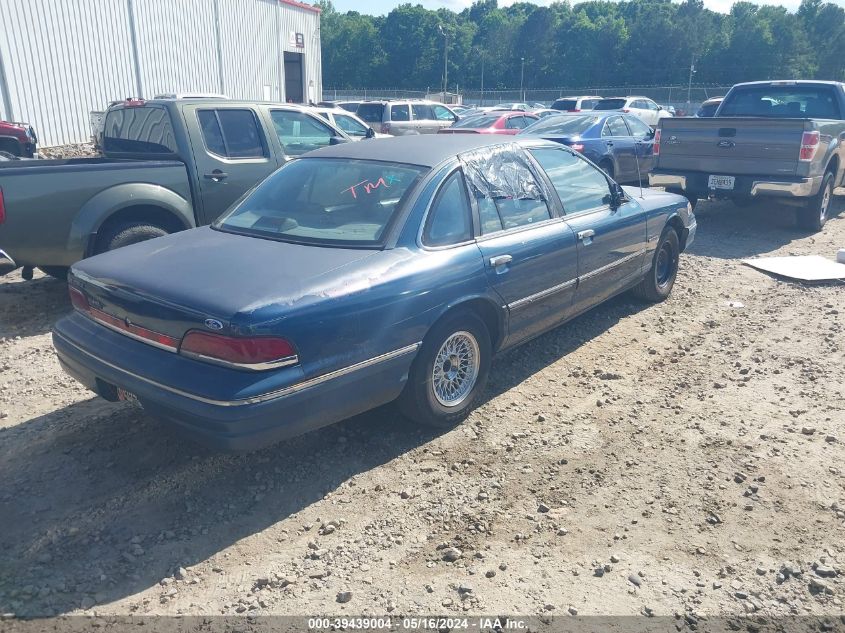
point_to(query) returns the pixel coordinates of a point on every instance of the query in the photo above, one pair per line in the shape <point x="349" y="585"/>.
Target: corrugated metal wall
<point x="62" y="59"/>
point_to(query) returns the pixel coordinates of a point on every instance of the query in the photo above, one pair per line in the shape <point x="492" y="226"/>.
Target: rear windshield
<point x="328" y="201"/>
<point x="707" y="110"/>
<point x="370" y="112"/>
<point x="481" y="120"/>
<point x="562" y="124"/>
<point x="610" y="104"/>
<point x="783" y="102"/>
<point x="565" y="104"/>
<point x="139" y="130"/>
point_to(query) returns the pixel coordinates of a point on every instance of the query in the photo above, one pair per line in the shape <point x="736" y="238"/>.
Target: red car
<point x="495" y="122"/>
<point x="17" y="139"/>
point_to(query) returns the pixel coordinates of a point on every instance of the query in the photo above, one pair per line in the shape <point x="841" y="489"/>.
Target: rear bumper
<point x="744" y="186"/>
<point x="229" y="424"/>
<point x="7" y="264"/>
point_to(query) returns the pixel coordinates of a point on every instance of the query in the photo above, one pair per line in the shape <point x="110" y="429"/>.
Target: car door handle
<point x="216" y="175"/>
<point x="585" y="235"/>
<point x="500" y="260"/>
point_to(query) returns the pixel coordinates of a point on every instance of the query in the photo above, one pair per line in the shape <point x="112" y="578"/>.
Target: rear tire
<point x="814" y="215"/>
<point x="56" y="272"/>
<point x="126" y="233"/>
<point x="449" y="373"/>
<point x="657" y="285"/>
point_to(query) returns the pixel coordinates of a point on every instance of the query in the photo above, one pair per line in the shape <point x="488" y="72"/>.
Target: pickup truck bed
<point x="35" y="230"/>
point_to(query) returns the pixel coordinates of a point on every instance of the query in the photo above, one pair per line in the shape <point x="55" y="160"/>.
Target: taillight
<point x="258" y="352"/>
<point x="2" y="207"/>
<point x="385" y="128"/>
<point x="575" y="110"/>
<point x="626" y="110"/>
<point x="656" y="150"/>
<point x="578" y="147"/>
<point x="79" y="300"/>
<point x="809" y="145"/>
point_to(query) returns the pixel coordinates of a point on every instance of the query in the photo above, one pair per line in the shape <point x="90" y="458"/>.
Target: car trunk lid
<point x="203" y="278"/>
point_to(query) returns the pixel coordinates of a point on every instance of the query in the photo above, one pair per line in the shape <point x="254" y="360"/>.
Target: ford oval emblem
<point x="213" y="324"/>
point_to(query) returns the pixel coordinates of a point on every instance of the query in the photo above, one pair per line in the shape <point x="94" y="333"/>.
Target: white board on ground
<point x="803" y="268"/>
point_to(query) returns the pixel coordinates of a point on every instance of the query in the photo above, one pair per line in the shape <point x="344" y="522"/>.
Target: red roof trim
<point x="301" y="5"/>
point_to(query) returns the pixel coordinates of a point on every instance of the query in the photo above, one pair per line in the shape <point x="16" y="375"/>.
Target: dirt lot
<point x="678" y="458"/>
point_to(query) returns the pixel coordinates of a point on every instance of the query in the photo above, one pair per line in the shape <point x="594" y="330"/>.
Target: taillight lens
<point x="79" y="300"/>
<point x="809" y="146"/>
<point x="259" y="352"/>
<point x="657" y="134"/>
<point x="578" y="147"/>
<point x="2" y="207"/>
<point x="626" y="110"/>
<point x="575" y="110"/>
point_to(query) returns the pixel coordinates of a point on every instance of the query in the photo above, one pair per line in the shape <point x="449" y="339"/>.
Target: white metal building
<point x="61" y="59"/>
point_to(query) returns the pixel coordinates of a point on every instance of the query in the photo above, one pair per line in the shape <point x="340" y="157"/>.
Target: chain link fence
<point x="683" y="98"/>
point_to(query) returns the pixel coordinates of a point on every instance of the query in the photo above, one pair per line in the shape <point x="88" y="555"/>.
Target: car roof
<point x="425" y="150"/>
<point x="789" y="82"/>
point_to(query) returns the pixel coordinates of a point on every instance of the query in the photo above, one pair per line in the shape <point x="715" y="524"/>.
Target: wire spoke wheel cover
<point x="456" y="368"/>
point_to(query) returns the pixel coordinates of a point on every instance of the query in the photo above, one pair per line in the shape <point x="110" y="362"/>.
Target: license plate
<point x="126" y="396"/>
<point x="720" y="182"/>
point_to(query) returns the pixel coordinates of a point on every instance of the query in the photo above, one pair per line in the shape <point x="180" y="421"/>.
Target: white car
<point x="643" y="107"/>
<point x="349" y="123"/>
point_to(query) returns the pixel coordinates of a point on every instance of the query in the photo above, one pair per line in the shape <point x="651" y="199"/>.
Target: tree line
<point x="595" y="43"/>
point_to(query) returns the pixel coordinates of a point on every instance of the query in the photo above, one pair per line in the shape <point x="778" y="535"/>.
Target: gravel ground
<point x="682" y="458"/>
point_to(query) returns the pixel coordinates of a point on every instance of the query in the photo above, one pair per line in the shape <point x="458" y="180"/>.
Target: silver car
<point x="348" y="122"/>
<point x="403" y="118"/>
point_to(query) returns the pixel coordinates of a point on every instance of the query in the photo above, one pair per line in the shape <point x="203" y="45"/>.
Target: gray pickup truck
<point x="784" y="139"/>
<point x="168" y="165"/>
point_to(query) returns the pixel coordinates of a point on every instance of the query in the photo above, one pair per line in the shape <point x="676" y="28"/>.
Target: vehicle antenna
<point x="639" y="145"/>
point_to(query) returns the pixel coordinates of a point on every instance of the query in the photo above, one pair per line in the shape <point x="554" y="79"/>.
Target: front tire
<point x="449" y="373"/>
<point x="126" y="233"/>
<point x="657" y="284"/>
<point x="814" y="215"/>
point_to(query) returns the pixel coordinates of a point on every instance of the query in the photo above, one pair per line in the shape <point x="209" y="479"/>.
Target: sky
<point x="381" y="7"/>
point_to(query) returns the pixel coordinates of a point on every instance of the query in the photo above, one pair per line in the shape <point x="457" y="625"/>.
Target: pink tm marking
<point x="368" y="187"/>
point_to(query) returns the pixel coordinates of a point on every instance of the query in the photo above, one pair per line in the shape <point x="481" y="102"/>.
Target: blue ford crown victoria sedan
<point x="361" y="274"/>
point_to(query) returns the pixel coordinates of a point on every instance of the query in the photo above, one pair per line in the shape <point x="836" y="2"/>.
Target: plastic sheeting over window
<point x="499" y="172"/>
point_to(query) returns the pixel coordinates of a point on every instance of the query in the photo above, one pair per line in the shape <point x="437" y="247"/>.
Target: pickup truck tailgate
<point x="732" y="146"/>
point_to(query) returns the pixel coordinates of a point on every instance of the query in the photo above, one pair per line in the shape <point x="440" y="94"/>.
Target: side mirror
<point x="660" y="107"/>
<point x="455" y="118"/>
<point x="617" y="195"/>
<point x="337" y="140"/>
<point x="371" y="133"/>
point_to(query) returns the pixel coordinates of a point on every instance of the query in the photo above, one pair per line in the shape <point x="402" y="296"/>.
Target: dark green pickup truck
<point x="168" y="165"/>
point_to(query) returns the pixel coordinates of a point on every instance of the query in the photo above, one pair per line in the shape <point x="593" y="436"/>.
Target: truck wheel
<point x="449" y="373"/>
<point x="56" y="272"/>
<point x="126" y="233"/>
<point x="691" y="198"/>
<point x="658" y="282"/>
<point x="814" y="215"/>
